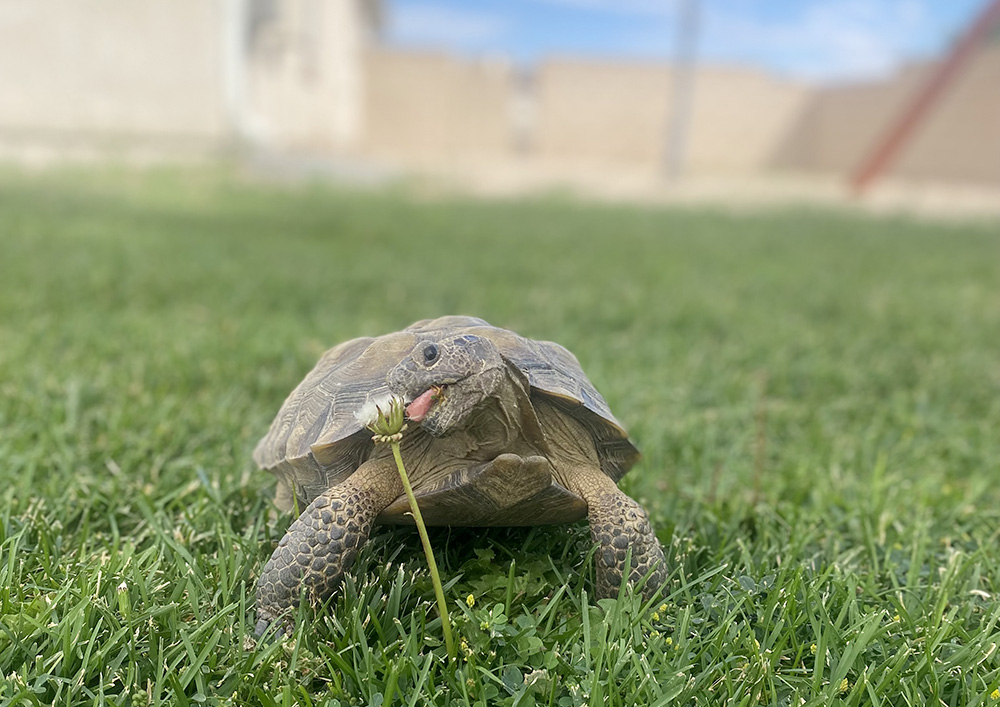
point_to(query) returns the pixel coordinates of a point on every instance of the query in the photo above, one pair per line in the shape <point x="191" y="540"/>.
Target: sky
<point x="818" y="40"/>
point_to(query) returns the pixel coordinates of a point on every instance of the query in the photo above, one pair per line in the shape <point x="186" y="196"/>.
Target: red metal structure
<point x="879" y="159"/>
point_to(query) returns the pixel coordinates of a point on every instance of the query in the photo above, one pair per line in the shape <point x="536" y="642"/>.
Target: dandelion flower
<point x="470" y="600"/>
<point x="373" y="407"/>
<point x="384" y="417"/>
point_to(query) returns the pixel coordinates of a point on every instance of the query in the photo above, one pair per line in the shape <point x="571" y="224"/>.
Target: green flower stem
<point x="425" y="541"/>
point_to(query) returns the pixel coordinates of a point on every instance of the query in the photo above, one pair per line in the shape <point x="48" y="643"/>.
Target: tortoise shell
<point x="316" y="441"/>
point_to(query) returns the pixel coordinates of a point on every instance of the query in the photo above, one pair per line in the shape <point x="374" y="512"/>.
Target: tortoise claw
<point x="275" y="628"/>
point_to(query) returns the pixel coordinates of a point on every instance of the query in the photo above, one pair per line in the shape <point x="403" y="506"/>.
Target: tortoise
<point x="505" y="431"/>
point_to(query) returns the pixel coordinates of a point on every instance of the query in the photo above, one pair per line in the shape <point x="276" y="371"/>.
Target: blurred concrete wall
<point x="601" y="113"/>
<point x="596" y="113"/>
<point x="959" y="139"/>
<point x="839" y="124"/>
<point x="112" y="69"/>
<point x="433" y="109"/>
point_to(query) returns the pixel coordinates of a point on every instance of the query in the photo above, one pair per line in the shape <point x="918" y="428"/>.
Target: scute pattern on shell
<point x="315" y="440"/>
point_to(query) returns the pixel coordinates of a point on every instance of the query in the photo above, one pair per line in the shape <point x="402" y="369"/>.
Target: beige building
<point x="114" y="71"/>
<point x="184" y="72"/>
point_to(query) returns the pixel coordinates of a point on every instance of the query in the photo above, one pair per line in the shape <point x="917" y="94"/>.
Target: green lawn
<point x="817" y="396"/>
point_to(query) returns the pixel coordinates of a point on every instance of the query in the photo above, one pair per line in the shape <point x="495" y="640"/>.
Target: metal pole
<point x="682" y="91"/>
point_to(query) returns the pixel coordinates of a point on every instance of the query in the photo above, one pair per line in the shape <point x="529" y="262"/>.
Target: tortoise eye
<point x="430" y="353"/>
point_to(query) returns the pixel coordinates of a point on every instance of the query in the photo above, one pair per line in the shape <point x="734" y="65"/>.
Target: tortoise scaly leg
<point x="322" y="543"/>
<point x="619" y="524"/>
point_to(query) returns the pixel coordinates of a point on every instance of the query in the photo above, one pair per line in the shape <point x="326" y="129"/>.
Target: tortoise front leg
<point x="619" y="524"/>
<point x="323" y="542"/>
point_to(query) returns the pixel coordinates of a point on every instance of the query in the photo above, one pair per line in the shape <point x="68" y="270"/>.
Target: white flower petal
<point x="368" y="413"/>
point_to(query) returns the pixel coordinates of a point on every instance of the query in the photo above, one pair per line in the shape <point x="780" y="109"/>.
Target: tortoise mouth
<point x="421" y="405"/>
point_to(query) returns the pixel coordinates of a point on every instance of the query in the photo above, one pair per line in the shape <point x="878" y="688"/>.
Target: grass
<point x="817" y="396"/>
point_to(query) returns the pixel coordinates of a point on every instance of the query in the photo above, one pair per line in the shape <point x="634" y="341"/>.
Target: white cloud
<point x="443" y="25"/>
<point x="818" y="40"/>
<point x="831" y="39"/>
<point x="622" y="7"/>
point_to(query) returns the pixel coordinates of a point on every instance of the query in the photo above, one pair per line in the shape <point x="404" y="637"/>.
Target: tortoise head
<point x="444" y="380"/>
